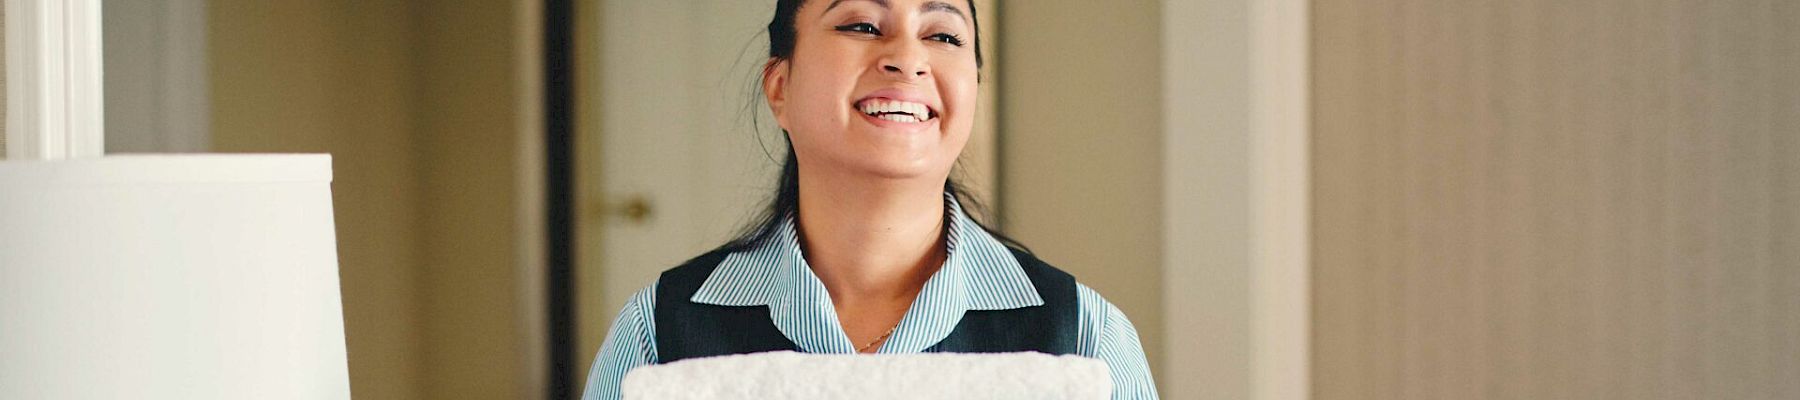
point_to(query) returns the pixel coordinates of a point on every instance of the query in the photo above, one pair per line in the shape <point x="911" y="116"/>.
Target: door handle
<point x="634" y="209"/>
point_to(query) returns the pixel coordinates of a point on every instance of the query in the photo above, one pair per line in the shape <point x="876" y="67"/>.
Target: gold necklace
<point x="884" y="336"/>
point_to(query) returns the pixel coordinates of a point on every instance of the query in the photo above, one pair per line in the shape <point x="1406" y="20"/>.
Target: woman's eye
<point x="947" y="38"/>
<point x="860" y="27"/>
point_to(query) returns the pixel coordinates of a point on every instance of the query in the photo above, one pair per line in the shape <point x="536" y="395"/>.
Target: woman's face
<point x="884" y="88"/>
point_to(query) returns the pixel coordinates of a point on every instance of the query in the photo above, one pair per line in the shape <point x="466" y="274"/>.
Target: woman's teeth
<point x="897" y="111"/>
<point x="899" y="117"/>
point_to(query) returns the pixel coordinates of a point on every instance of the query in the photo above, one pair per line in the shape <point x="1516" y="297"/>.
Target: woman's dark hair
<point x="786" y="201"/>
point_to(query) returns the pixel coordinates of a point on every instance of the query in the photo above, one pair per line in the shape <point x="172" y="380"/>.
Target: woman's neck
<point x="871" y="244"/>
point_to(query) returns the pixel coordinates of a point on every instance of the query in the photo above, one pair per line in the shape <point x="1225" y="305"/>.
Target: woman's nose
<point x="898" y="70"/>
<point x="905" y="60"/>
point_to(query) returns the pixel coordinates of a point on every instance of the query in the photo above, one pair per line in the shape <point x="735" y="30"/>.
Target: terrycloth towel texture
<point x="791" y="375"/>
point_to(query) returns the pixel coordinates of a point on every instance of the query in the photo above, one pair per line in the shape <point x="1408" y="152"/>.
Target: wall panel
<point x="1551" y="199"/>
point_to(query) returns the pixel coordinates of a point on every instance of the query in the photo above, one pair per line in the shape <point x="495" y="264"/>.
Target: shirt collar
<point x="979" y="274"/>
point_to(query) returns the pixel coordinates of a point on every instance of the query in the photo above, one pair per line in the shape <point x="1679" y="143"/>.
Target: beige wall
<point x="1553" y="199"/>
<point x="468" y="111"/>
<point x="417" y="103"/>
<point x="308" y="76"/>
<point x="1080" y="155"/>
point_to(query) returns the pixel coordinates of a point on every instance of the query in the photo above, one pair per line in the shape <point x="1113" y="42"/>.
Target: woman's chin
<point x="895" y="169"/>
<point x="879" y="154"/>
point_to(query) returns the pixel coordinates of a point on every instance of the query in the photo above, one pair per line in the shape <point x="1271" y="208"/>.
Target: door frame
<point x="552" y="157"/>
<point x="161" y="91"/>
<point x="1236" y="204"/>
<point x="55" y="103"/>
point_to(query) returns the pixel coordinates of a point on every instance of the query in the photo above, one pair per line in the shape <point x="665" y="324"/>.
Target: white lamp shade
<point x="164" y="277"/>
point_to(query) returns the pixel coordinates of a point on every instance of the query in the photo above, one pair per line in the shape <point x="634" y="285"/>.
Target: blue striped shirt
<point x="978" y="274"/>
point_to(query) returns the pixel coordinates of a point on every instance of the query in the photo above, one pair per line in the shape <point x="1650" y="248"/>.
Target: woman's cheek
<point x="961" y="97"/>
<point x="818" y="105"/>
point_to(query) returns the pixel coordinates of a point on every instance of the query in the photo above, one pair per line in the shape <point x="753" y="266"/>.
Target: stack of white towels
<point x="791" y="375"/>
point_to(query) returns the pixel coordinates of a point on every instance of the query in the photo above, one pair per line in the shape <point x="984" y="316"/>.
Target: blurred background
<point x="1330" y="199"/>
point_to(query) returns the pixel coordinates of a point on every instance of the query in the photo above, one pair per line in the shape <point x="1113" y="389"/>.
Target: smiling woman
<point x="865" y="246"/>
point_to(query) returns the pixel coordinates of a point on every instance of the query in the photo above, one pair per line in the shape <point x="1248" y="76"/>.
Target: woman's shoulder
<point x="1040" y="270"/>
<point x="685" y="279"/>
<point x="693" y="270"/>
<point x="696" y="268"/>
<point x="1090" y="301"/>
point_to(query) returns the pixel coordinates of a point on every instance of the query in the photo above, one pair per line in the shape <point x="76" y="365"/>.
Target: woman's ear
<point x="774" y="86"/>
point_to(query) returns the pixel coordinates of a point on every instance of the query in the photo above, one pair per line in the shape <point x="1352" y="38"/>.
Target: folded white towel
<point x="790" y="375"/>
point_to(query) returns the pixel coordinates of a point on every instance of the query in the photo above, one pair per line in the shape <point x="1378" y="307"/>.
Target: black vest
<point x="685" y="329"/>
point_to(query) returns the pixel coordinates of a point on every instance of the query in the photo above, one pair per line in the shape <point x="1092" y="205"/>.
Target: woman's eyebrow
<point x="834" y="4"/>
<point x="930" y="6"/>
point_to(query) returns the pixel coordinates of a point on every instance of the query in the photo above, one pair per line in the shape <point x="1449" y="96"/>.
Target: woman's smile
<point x="896" y="109"/>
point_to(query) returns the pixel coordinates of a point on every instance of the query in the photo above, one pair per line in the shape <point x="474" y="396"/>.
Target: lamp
<point x="192" y="277"/>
